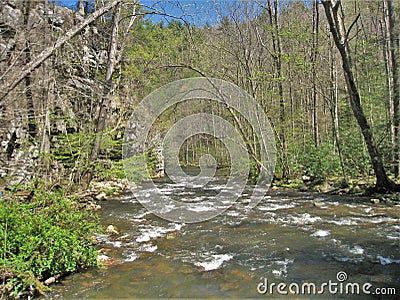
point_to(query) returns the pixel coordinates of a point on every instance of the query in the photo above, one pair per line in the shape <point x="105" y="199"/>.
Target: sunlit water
<point x="284" y="239"/>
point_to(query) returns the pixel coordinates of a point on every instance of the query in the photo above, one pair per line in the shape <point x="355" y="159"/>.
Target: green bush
<point x="321" y="161"/>
<point x="46" y="237"/>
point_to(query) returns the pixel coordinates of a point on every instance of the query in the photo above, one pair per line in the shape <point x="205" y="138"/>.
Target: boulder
<point x="111" y="229"/>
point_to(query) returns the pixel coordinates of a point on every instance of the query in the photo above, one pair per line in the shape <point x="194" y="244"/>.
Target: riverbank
<point x="336" y="186"/>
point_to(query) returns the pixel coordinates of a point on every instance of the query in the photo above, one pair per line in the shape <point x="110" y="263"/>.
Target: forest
<point x="325" y="72"/>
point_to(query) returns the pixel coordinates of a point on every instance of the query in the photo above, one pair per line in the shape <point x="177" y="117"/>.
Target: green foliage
<point x="48" y="236"/>
<point x="134" y="168"/>
<point x="321" y="161"/>
<point x="355" y="153"/>
<point x="71" y="148"/>
<point x="152" y="52"/>
<point x="109" y="170"/>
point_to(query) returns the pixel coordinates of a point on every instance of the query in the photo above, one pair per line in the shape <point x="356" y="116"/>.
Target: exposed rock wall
<point x="63" y="91"/>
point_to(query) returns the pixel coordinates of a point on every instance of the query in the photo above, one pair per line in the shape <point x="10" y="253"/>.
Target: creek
<point x="286" y="238"/>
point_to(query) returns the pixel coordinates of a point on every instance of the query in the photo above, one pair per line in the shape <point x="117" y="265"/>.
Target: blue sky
<point x="198" y="12"/>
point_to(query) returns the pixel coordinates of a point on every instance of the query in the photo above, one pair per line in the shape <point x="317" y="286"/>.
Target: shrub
<point x="46" y="237"/>
<point x="320" y="161"/>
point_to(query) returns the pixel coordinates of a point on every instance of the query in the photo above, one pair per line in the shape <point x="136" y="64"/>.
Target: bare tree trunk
<point x="340" y="37"/>
<point x="8" y="85"/>
<point x="393" y="51"/>
<point x="28" y="80"/>
<point x="334" y="109"/>
<point x="101" y="113"/>
<point x="314" y="71"/>
<point x="45" y="123"/>
<point x="277" y="57"/>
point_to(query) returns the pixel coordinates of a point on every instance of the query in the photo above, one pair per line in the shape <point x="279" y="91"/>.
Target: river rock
<point x="111" y="229"/>
<point x="318" y="204"/>
<point x="50" y="280"/>
<point x="91" y="206"/>
<point x="101" y="197"/>
<point x="375" y="201"/>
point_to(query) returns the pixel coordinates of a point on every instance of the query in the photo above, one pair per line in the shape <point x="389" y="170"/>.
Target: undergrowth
<point x="49" y="235"/>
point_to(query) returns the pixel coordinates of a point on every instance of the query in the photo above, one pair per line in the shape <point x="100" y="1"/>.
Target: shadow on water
<point x="285" y="239"/>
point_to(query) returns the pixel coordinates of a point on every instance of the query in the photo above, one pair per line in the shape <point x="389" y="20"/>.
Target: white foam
<point x="348" y="222"/>
<point x="352" y="205"/>
<point x="141" y="216"/>
<point x="216" y="261"/>
<point x="116" y="244"/>
<point x="335" y="203"/>
<point x="177" y="226"/>
<point x="387" y="260"/>
<point x="139" y="220"/>
<point x="304" y="219"/>
<point x="282" y="271"/>
<point x="181" y="193"/>
<point x="321" y="233"/>
<point x="103" y="258"/>
<point x="233" y="213"/>
<point x="357" y="250"/>
<point x="213" y="187"/>
<point x="152" y="232"/>
<point x="274" y="206"/>
<point x="148" y="248"/>
<point x="143" y="238"/>
<point x="383" y="220"/>
<point x="167" y="208"/>
<point x="199" y="208"/>
<point x="350" y="259"/>
<point x="131" y="257"/>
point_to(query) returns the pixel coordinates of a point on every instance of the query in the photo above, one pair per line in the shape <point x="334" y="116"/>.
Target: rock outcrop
<point x="58" y="97"/>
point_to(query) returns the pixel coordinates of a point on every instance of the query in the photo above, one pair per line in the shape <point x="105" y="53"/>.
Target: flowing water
<point x="285" y="239"/>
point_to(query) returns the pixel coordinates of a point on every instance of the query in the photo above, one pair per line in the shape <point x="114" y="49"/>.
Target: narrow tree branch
<point x="352" y="24"/>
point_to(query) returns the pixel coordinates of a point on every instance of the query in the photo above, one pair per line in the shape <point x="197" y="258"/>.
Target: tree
<point x="273" y="12"/>
<point x="19" y="74"/>
<point x="315" y="45"/>
<point x="341" y="38"/>
<point x="393" y="50"/>
<point x="101" y="114"/>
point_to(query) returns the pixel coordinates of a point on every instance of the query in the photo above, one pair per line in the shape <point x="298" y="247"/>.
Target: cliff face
<point x="56" y="99"/>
